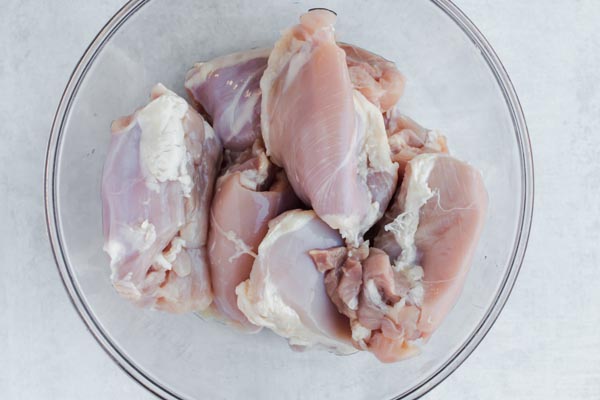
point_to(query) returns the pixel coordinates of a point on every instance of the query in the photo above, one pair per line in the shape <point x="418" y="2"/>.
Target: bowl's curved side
<point x="152" y="384"/>
<point x="50" y="204"/>
<point x="526" y="210"/>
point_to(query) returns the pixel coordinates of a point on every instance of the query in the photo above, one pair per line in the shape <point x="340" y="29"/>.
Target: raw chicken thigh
<point x="375" y="77"/>
<point x="441" y="209"/>
<point x="227" y="89"/>
<point x="398" y="292"/>
<point x="408" y="139"/>
<point x="328" y="137"/>
<point x="156" y="189"/>
<point x="285" y="291"/>
<point x="251" y="192"/>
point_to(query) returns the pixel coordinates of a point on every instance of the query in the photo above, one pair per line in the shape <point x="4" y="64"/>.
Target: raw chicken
<point x="441" y="211"/>
<point x="250" y="193"/>
<point x="286" y="293"/>
<point x="227" y="89"/>
<point x="408" y="139"/>
<point x="329" y="138"/>
<point x="156" y="188"/>
<point x="397" y="293"/>
<point x="375" y="77"/>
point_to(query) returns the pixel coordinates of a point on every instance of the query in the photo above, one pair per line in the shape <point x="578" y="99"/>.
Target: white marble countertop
<point x="545" y="343"/>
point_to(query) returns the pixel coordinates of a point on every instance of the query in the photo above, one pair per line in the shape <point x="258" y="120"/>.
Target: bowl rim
<point x="454" y="361"/>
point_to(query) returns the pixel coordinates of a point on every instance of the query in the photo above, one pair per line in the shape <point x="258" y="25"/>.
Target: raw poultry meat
<point x="328" y="137"/>
<point x="408" y="139"/>
<point x="365" y="287"/>
<point x="375" y="166"/>
<point x="227" y="89"/>
<point x="398" y="292"/>
<point x="250" y="193"/>
<point x="448" y="225"/>
<point x="286" y="293"/>
<point x="311" y="123"/>
<point x="156" y="189"/>
<point x="375" y="77"/>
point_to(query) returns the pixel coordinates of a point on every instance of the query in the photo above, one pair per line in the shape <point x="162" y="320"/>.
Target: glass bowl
<point x="455" y="83"/>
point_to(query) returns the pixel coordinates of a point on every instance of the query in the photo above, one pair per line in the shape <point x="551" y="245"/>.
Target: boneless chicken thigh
<point x="286" y="293"/>
<point x="436" y="222"/>
<point x="397" y="293"/>
<point x="227" y="89"/>
<point x="156" y="189"/>
<point x="328" y="137"/>
<point x="250" y="193"/>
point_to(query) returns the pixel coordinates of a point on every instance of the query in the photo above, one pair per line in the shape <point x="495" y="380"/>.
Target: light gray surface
<point x="545" y="343"/>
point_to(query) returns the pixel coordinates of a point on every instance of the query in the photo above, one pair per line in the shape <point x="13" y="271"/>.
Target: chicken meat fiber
<point x="286" y="293"/>
<point x="397" y="293"/>
<point x="250" y="193"/>
<point x="328" y="137"/>
<point x="156" y="188"/>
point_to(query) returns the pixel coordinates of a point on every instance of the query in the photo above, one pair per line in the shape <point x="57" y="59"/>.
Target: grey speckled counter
<point x="545" y="343"/>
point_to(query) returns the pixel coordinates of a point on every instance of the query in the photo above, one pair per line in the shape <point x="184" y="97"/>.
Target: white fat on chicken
<point x="404" y="226"/>
<point x="163" y="152"/>
<point x="375" y="151"/>
<point x="285" y="292"/>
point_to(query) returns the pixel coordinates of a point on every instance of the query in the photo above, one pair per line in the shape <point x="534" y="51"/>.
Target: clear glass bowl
<point x="455" y="83"/>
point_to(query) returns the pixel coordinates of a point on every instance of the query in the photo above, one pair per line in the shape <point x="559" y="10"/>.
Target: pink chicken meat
<point x="251" y="192"/>
<point x="286" y="293"/>
<point x="375" y="77"/>
<point x="156" y="188"/>
<point x="397" y="293"/>
<point x="328" y="137"/>
<point x="227" y="89"/>
<point x="408" y="139"/>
